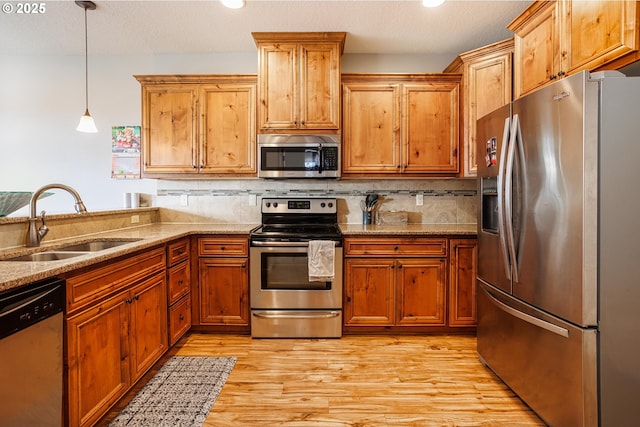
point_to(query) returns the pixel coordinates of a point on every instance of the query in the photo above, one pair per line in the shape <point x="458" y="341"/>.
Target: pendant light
<point x="86" y="121"/>
<point x="233" y="4"/>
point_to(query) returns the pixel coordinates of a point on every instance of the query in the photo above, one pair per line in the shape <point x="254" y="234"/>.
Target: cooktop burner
<point x="298" y="219"/>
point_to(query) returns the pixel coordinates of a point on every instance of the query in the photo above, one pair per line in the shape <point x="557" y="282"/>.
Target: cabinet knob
<point x="181" y="317"/>
<point x="244" y="265"/>
<point x="552" y="77"/>
<point x="561" y="73"/>
<point x="180" y="282"/>
<point x="222" y="248"/>
<point x="395" y="248"/>
<point x="399" y="265"/>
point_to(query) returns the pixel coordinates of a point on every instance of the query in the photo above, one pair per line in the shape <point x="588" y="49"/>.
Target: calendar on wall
<point x="125" y="152"/>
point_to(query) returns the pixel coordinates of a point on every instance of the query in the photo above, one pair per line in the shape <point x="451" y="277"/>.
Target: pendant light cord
<point x="86" y="63"/>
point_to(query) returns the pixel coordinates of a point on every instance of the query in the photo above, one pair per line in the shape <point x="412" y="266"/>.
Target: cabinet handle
<point x="561" y="73"/>
<point x="128" y="301"/>
<point x="552" y="77"/>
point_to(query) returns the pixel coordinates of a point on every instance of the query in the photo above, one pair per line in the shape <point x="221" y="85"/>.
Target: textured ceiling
<point x="167" y="27"/>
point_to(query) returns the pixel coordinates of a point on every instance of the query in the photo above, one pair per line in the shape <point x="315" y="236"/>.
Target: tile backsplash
<point x="238" y="201"/>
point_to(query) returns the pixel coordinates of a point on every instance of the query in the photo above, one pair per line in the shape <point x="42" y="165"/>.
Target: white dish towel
<point x="321" y="255"/>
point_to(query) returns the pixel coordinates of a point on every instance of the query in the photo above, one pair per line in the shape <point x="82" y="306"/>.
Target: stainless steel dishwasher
<point x="31" y="355"/>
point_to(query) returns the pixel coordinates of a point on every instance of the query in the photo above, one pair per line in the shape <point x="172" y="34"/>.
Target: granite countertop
<point x="14" y="274"/>
<point x="410" y="229"/>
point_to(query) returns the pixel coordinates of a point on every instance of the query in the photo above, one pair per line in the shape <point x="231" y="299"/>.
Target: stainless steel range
<point x="296" y="270"/>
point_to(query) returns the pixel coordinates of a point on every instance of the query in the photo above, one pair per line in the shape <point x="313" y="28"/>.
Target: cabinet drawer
<point x="177" y="251"/>
<point x="179" y="281"/>
<point x="95" y="282"/>
<point x="406" y="246"/>
<point x="179" y="319"/>
<point x="225" y="246"/>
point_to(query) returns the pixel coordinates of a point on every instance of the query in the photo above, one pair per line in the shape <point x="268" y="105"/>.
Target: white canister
<point x="126" y="200"/>
<point x="135" y="200"/>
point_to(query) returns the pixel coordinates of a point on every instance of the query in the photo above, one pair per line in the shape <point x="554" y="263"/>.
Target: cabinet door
<point x="224" y="291"/>
<point x="462" y="282"/>
<point x="169" y="139"/>
<point x="148" y="324"/>
<point x="421" y="292"/>
<point x="371" y="134"/>
<point x="98" y="364"/>
<point x="227" y="126"/>
<point x="537" y="45"/>
<point x="319" y="86"/>
<point x="369" y="292"/>
<point x="488" y="87"/>
<point x="431" y="123"/>
<point x="596" y="32"/>
<point x="278" y="86"/>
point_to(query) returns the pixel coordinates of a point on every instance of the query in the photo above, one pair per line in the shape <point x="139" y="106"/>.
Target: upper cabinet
<point x="486" y="86"/>
<point x="400" y="125"/>
<point x="198" y="125"/>
<point x="299" y="81"/>
<point x="556" y="38"/>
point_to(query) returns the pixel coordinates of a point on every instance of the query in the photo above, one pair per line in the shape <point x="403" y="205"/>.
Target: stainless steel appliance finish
<point x="284" y="302"/>
<point x="558" y="316"/>
<point x="31" y="355"/>
<point x="298" y="156"/>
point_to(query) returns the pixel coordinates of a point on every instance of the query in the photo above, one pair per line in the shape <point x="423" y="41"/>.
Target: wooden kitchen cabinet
<point x="401" y="125"/>
<point x="554" y="39"/>
<point x="299" y="80"/>
<point x="202" y="125"/>
<point x="116" y="327"/>
<point x="486" y="86"/>
<point x="395" y="282"/>
<point x="179" y="288"/>
<point x="223" y="283"/>
<point x="463" y="269"/>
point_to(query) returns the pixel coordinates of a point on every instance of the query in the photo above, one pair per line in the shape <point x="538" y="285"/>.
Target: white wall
<point x="42" y="99"/>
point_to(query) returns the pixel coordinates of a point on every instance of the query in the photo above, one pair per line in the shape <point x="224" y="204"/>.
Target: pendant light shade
<point x="86" y="121"/>
<point x="233" y="4"/>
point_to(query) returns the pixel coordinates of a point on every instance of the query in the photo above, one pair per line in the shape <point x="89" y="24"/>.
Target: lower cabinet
<point x="223" y="284"/>
<point x="112" y="343"/>
<point x="409" y="284"/>
<point x="179" y="288"/>
<point x="462" y="282"/>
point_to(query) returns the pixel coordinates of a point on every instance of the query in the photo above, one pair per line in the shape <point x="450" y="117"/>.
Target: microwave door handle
<point x="320" y="159"/>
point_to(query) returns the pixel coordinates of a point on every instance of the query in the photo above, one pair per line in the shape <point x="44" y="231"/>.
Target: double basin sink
<point x="71" y="250"/>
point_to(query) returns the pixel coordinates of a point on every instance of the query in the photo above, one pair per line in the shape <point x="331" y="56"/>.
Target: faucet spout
<point x="35" y="234"/>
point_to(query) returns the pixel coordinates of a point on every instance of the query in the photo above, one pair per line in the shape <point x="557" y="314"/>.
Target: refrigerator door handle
<point x="528" y="318"/>
<point x="508" y="200"/>
<point x="501" y="210"/>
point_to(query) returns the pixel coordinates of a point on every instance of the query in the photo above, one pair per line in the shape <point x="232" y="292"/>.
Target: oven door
<point x="279" y="279"/>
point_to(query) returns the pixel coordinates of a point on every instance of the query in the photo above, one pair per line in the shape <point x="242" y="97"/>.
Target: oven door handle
<point x="295" y="314"/>
<point x="290" y="244"/>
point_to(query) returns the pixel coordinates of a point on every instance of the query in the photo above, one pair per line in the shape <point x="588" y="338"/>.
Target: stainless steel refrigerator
<point x="559" y="240"/>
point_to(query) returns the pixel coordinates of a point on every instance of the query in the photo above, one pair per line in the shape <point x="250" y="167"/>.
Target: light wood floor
<point x="357" y="381"/>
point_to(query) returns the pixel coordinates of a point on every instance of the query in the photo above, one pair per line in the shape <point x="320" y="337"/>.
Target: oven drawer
<point x="406" y="246"/>
<point x="225" y="246"/>
<point x="296" y="323"/>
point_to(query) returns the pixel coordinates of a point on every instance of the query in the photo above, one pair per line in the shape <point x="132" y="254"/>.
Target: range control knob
<point x="322" y="205"/>
<point x="330" y="204"/>
<point x="275" y="204"/>
<point x="268" y="204"/>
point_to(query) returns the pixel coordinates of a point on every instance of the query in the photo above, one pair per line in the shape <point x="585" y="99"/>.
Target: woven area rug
<point x="179" y="395"/>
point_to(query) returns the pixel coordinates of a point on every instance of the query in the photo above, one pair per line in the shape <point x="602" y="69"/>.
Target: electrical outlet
<point x="184" y="200"/>
<point x="135" y="219"/>
<point x="253" y="200"/>
<point x="419" y="199"/>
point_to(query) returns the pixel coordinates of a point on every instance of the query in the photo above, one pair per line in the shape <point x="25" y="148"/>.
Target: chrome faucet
<point x="35" y="234"/>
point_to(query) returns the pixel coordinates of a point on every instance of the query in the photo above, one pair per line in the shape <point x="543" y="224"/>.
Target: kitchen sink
<point x="72" y="250"/>
<point x="95" y="245"/>
<point x="46" y="256"/>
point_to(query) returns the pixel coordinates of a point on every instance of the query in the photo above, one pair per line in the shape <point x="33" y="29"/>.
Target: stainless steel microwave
<point x="298" y="156"/>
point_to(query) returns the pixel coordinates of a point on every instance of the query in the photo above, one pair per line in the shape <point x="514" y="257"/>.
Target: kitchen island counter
<point x="14" y="274"/>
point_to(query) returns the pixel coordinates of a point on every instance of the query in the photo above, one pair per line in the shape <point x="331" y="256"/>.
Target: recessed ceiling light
<point x="233" y="4"/>
<point x="432" y="3"/>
